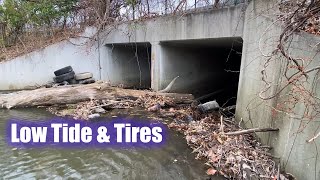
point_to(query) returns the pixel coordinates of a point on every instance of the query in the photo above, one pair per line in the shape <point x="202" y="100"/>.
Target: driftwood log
<point x="75" y="94"/>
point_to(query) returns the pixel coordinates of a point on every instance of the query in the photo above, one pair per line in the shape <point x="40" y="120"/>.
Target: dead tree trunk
<point x="75" y="94"/>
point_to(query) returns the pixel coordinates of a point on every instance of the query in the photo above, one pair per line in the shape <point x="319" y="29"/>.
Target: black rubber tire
<point x="62" y="71"/>
<point x="72" y="81"/>
<point x="64" y="77"/>
<point x="83" y="76"/>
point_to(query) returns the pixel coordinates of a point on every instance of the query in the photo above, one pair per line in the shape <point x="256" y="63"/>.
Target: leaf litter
<point x="234" y="157"/>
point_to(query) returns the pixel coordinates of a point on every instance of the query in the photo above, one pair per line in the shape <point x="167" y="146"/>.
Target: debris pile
<point x="66" y="76"/>
<point x="241" y="157"/>
<point x="90" y="109"/>
<point x="238" y="156"/>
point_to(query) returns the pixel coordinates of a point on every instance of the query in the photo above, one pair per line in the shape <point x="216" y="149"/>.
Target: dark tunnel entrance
<point x="208" y="68"/>
<point x="130" y="65"/>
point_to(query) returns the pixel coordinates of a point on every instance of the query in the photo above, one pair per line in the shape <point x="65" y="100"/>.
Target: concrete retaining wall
<point x="37" y="68"/>
<point x="289" y="144"/>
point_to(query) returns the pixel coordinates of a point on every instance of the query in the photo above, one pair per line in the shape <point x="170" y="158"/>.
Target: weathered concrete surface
<point x="36" y="68"/>
<point x="226" y="22"/>
<point x="260" y="39"/>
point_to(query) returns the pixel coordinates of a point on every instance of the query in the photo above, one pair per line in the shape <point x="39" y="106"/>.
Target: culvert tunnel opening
<point x="130" y="65"/>
<point x="207" y="68"/>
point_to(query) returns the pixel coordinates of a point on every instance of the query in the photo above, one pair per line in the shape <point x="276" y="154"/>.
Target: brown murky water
<point x="173" y="161"/>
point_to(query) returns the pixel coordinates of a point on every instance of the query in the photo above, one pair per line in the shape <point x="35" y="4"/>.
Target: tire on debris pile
<point x="64" y="77"/>
<point x="72" y="81"/>
<point x="83" y="76"/>
<point x="62" y="71"/>
<point x="87" y="81"/>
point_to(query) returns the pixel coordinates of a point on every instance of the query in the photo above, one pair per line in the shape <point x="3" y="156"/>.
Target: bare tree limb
<point x="248" y="131"/>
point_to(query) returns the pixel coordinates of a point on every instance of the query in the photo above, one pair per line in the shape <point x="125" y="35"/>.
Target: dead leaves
<point x="226" y="154"/>
<point x="211" y="171"/>
<point x="213" y="157"/>
<point x="83" y="110"/>
<point x="235" y="157"/>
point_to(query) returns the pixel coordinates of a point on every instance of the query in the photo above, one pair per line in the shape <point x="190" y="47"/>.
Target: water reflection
<point x="173" y="161"/>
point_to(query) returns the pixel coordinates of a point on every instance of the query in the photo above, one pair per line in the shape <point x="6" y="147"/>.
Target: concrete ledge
<point x="226" y="22"/>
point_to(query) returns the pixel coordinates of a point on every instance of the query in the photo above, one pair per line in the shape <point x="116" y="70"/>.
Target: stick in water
<point x="248" y="131"/>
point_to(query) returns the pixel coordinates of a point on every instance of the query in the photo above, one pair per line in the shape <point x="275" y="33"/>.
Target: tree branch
<point x="248" y="131"/>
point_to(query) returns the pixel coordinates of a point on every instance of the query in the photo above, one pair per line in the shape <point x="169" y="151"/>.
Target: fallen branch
<point x="315" y="137"/>
<point x="229" y="108"/>
<point x="248" y="131"/>
<point x="221" y="125"/>
<point x="75" y="94"/>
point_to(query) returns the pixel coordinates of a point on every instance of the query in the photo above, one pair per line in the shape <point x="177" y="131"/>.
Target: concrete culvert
<point x="128" y="64"/>
<point x="207" y="68"/>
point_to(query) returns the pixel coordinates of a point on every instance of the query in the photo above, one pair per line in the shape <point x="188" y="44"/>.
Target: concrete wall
<point x="37" y="68"/>
<point x="226" y="22"/>
<point x="260" y="39"/>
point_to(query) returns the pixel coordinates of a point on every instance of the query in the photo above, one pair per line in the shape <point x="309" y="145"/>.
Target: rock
<point x="92" y="116"/>
<point x="99" y="110"/>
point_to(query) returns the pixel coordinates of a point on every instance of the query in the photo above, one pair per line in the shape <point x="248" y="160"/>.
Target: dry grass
<point x="33" y="41"/>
